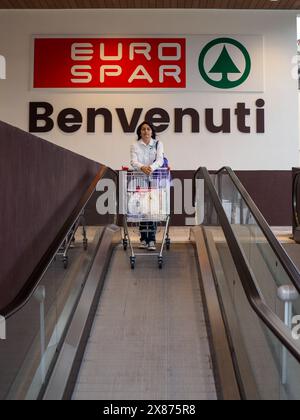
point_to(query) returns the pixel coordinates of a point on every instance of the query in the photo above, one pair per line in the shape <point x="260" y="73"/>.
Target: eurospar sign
<point x="186" y="63"/>
<point x="144" y="64"/>
<point x="110" y="63"/>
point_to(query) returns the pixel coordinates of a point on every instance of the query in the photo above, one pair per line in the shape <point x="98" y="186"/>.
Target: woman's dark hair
<point x="139" y="130"/>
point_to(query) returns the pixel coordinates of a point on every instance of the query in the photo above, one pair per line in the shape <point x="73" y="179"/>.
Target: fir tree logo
<point x="224" y="65"/>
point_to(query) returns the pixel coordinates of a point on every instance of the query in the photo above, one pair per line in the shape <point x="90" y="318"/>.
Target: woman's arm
<point x="158" y="163"/>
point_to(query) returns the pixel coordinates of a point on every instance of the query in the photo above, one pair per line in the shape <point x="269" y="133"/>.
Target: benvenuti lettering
<point x="70" y="120"/>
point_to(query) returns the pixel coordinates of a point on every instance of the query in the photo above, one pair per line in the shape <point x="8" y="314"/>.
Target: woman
<point x="147" y="155"/>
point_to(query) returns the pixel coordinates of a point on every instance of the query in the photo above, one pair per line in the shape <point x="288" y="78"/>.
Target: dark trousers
<point x="148" y="231"/>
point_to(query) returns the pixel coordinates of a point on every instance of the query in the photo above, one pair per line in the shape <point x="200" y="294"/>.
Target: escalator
<point x="258" y="287"/>
<point x="211" y="325"/>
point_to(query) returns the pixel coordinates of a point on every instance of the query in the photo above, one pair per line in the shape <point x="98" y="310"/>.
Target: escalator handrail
<point x="278" y="249"/>
<point x="295" y="187"/>
<point x="280" y="252"/>
<point x="36" y="276"/>
<point x="255" y="299"/>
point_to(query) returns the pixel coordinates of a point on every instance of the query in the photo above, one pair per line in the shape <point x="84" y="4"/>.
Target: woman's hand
<point x="147" y="170"/>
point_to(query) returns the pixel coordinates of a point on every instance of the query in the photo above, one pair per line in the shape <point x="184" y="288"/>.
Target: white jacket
<point x="142" y="154"/>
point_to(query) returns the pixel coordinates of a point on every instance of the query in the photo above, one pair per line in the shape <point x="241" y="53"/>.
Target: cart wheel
<point x="125" y="243"/>
<point x="160" y="263"/>
<point x="132" y="262"/>
<point x="65" y="262"/>
<point x="85" y="243"/>
<point x="168" y="244"/>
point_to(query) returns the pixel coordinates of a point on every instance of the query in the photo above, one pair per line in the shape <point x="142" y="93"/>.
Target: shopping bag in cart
<point x="139" y="204"/>
<point x="154" y="203"/>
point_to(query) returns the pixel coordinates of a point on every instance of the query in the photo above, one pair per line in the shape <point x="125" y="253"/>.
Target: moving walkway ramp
<point x="258" y="287"/>
<point x="149" y="338"/>
<point x="210" y="325"/>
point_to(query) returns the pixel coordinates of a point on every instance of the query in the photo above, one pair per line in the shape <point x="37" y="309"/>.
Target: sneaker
<point x="151" y="246"/>
<point x="143" y="245"/>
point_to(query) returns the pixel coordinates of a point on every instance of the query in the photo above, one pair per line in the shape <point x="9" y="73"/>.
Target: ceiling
<point x="159" y="4"/>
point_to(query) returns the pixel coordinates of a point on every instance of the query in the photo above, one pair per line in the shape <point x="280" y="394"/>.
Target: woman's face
<point x="146" y="133"/>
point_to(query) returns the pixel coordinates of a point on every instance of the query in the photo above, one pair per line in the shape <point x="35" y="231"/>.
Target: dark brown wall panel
<point x="124" y="4"/>
<point x="272" y="193"/>
<point x="40" y="184"/>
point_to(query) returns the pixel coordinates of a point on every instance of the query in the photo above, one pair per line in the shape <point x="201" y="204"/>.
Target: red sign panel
<point x="109" y="63"/>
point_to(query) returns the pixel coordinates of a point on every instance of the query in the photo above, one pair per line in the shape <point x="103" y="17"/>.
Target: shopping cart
<point x="70" y="239"/>
<point x="146" y="199"/>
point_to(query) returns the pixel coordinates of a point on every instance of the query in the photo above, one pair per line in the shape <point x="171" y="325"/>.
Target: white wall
<point x="276" y="149"/>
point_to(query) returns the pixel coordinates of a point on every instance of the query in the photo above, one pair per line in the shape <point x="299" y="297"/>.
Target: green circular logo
<point x="224" y="65"/>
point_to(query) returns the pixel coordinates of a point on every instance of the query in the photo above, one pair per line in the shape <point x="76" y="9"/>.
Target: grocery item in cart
<point x="138" y="204"/>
